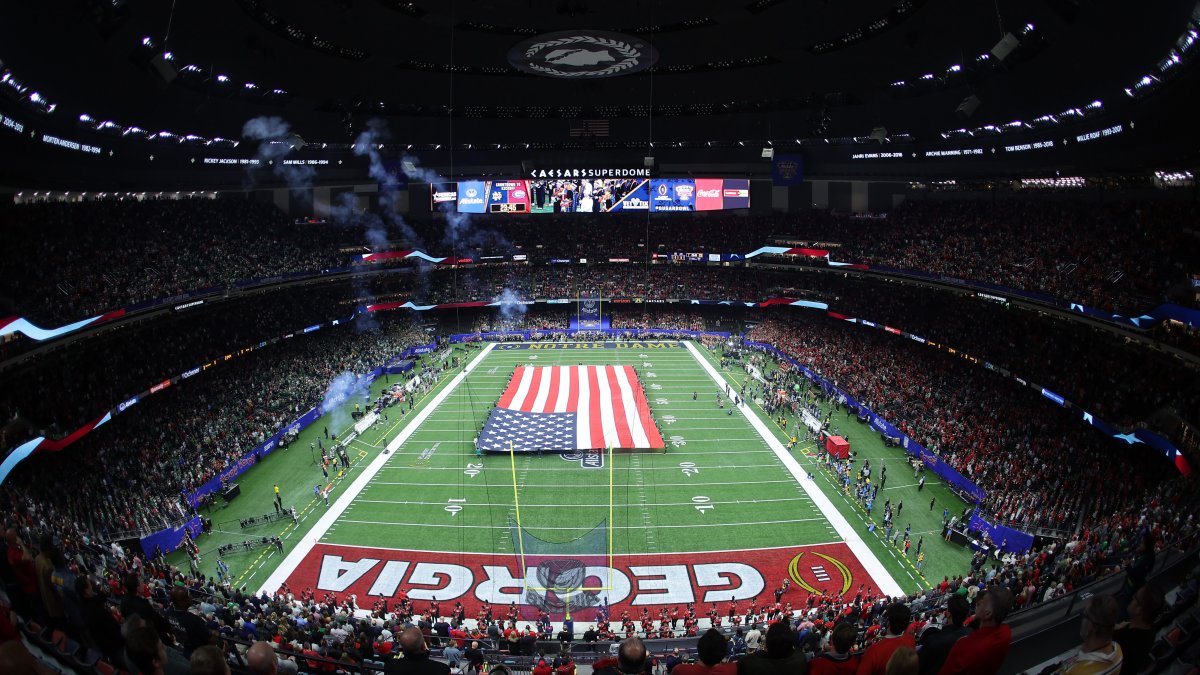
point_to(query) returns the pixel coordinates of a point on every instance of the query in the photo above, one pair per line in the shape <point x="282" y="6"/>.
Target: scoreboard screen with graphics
<point x="593" y="195"/>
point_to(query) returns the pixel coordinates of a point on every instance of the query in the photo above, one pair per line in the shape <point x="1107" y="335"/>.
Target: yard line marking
<point x="854" y="540"/>
<point x="789" y="481"/>
<point x="585" y="528"/>
<point x="672" y="467"/>
<point x="318" y="531"/>
<point x="588" y="506"/>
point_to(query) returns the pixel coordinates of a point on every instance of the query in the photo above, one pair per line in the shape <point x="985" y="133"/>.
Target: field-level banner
<point x="633" y="581"/>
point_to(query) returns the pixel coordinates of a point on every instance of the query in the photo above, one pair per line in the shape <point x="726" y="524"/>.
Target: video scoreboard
<point x="592" y="195"/>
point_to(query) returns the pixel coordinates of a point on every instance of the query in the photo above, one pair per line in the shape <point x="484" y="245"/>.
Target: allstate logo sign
<point x="578" y="54"/>
<point x="588" y="459"/>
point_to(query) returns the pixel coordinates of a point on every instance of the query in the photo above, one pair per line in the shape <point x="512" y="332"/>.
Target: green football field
<point x="717" y="486"/>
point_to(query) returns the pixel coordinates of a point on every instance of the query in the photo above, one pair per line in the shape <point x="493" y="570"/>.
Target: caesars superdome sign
<point x="582" y="54"/>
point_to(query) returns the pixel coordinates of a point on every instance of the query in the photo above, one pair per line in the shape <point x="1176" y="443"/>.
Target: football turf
<point x="717" y="487"/>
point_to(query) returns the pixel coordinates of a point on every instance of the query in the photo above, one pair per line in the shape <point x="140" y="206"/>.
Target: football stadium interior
<point x="556" y="337"/>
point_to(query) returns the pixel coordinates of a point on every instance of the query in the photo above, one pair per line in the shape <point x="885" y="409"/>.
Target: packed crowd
<point x="107" y="255"/>
<point x="998" y="435"/>
<point x="64" y="262"/>
<point x="650" y="282"/>
<point x="52" y="395"/>
<point x="1093" y="368"/>
<point x="103" y="596"/>
<point x="132" y="473"/>
<point x="1122" y="256"/>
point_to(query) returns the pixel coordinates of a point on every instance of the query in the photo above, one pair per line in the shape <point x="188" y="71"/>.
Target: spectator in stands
<point x="194" y="630"/>
<point x="135" y="602"/>
<point x="415" y="657"/>
<point x="983" y="651"/>
<point x="15" y="658"/>
<point x="148" y="655"/>
<point x="753" y="639"/>
<point x="838" y="660"/>
<point x="780" y="655"/>
<point x="1098" y="655"/>
<point x="208" y="660"/>
<point x="631" y="659"/>
<point x="711" y="649"/>
<point x="21" y="562"/>
<point x="875" y="659"/>
<point x="261" y="659"/>
<point x="102" y="629"/>
<point x="937" y="641"/>
<point x="453" y="655"/>
<point x="1136" y="636"/>
<point x="566" y="666"/>
<point x="542" y="668"/>
<point x="474" y="656"/>
<point x="903" y="662"/>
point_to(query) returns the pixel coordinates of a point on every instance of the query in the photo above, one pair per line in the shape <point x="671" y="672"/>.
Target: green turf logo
<point x="588" y="459"/>
<point x="426" y="455"/>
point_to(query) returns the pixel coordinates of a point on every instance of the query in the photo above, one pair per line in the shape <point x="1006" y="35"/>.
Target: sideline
<point x="883" y="579"/>
<point x="302" y="548"/>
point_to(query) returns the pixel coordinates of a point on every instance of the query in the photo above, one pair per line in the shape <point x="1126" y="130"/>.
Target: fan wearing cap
<point x="542" y="668"/>
<point x="414" y="657"/>
<point x="1098" y="655"/>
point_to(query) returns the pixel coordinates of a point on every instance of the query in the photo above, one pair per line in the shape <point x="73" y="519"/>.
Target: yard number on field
<point x="453" y="506"/>
<point x="689" y="468"/>
<point x="473" y="470"/>
<point x="662" y="401"/>
<point x="702" y="503"/>
<point x="677" y="441"/>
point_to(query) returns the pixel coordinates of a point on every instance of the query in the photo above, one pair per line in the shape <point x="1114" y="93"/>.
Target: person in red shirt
<point x="875" y="659"/>
<point x="567" y="667"/>
<point x="839" y="660"/>
<point x="984" y="651"/>
<point x="542" y="669"/>
<point x="21" y="561"/>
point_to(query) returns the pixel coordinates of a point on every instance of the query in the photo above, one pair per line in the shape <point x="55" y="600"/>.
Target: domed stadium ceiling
<point x="619" y="73"/>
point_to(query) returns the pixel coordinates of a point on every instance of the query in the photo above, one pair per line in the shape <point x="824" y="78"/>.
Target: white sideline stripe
<point x="305" y="546"/>
<point x="887" y="585"/>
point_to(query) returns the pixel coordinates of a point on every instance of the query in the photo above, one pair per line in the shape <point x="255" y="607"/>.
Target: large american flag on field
<point x="571" y="408"/>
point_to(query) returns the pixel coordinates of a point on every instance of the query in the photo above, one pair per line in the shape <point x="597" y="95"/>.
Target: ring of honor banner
<point x="593" y="195"/>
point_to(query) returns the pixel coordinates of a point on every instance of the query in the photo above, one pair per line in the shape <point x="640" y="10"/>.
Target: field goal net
<point x="565" y="551"/>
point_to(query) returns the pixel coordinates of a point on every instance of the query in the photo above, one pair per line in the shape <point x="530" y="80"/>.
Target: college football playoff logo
<point x="582" y="54"/>
<point x="820" y="573"/>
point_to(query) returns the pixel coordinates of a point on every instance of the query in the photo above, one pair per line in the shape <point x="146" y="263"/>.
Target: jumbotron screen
<point x="593" y="195"/>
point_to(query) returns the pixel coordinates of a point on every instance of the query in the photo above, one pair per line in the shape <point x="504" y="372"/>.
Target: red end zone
<point x="633" y="580"/>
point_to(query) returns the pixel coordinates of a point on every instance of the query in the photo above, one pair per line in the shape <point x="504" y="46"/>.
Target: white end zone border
<point x="305" y="545"/>
<point x="855" y="542"/>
